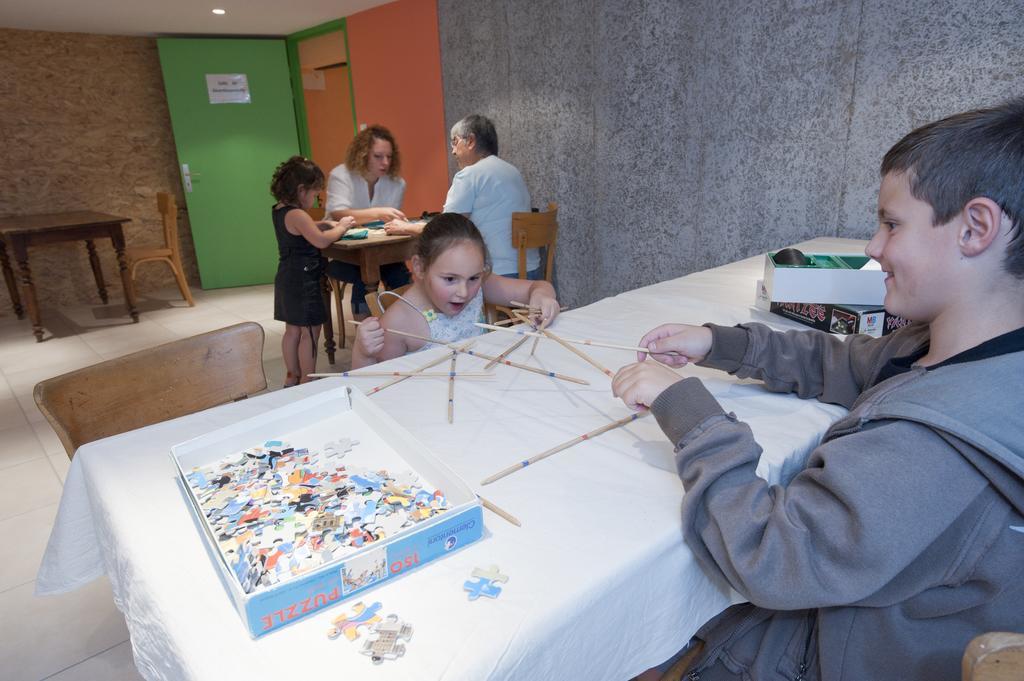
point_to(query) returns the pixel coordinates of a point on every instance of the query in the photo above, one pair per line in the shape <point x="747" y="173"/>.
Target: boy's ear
<point x="982" y="223"/>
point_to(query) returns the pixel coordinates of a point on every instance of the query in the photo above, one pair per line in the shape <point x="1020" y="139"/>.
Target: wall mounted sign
<point x="228" y="88"/>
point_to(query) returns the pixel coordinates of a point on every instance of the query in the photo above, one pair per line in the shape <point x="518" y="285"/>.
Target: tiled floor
<point x="81" y="635"/>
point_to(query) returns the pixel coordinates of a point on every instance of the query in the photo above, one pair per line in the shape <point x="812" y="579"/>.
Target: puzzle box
<point x="833" y="278"/>
<point x="872" y="320"/>
<point x="309" y="424"/>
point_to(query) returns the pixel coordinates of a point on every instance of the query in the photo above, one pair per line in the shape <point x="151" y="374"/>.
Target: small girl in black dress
<point x="297" y="299"/>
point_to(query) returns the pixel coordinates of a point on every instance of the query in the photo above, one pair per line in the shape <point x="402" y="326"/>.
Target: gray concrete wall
<point x="677" y="136"/>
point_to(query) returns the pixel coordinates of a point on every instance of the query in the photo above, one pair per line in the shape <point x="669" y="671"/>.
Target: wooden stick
<point x="585" y="357"/>
<point x="428" y="339"/>
<point x="428" y="365"/>
<point x="452" y="346"/>
<point x="565" y="445"/>
<point x="578" y="341"/>
<point x="408" y="374"/>
<point x="526" y="367"/>
<point x="526" y="320"/>
<point x="512" y="348"/>
<point x="495" y="509"/>
<point x="527" y="306"/>
<point x="451" y="389"/>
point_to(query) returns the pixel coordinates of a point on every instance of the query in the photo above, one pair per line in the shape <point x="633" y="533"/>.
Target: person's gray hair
<point x="481" y="128"/>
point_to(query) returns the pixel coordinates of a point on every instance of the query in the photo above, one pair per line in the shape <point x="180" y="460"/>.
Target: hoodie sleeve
<point x="865" y="508"/>
<point x="808" y="362"/>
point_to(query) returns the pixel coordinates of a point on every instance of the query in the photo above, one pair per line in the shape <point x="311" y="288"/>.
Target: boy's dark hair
<point x="294" y="173"/>
<point x="971" y="154"/>
<point x="481" y="128"/>
<point x="357" y="157"/>
<point x="443" y="232"/>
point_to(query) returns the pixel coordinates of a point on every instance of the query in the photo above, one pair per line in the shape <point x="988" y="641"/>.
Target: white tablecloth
<point x="601" y="585"/>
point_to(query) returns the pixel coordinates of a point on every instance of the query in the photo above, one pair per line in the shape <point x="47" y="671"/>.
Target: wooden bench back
<point x="154" y="385"/>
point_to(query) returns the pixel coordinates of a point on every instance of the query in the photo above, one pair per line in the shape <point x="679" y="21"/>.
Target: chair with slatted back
<point x="531" y="230"/>
<point x="154" y="385"/>
<point x="168" y="253"/>
<point x="536" y="230"/>
<point x="375" y="308"/>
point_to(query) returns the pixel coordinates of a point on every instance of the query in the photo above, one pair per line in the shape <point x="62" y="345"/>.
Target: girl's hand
<point x="547" y="307"/>
<point x="370" y="337"/>
<point x="387" y="214"/>
<point x="347" y="223"/>
<point x="638" y="385"/>
<point x="676" y="344"/>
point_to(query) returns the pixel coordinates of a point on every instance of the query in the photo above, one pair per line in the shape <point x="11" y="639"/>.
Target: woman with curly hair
<point x="367" y="187"/>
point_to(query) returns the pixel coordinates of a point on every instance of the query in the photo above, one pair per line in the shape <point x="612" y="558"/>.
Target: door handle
<point x="186" y="177"/>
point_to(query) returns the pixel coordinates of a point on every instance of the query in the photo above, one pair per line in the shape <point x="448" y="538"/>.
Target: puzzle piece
<point x="368" y="480"/>
<point x="406" y="479"/>
<point x="387" y="645"/>
<point x="349" y="626"/>
<point x="339" y="447"/>
<point x="481" y="587"/>
<point x="363" y="509"/>
<point x="491" y="574"/>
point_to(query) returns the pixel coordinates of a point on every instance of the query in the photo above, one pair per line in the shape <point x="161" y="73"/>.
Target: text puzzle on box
<point x="314" y="502"/>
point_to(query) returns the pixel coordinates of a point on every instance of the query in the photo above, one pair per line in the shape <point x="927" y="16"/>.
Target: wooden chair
<point x="169" y="253"/>
<point x="536" y="230"/>
<point x="531" y="230"/>
<point x="995" y="656"/>
<point x="375" y="308"/>
<point x="149" y="386"/>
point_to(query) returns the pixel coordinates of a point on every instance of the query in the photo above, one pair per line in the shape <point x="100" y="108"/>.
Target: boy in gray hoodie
<point x="903" y="538"/>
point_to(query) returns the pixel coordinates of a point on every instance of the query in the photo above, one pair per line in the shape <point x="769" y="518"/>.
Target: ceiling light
<point x="219" y="11"/>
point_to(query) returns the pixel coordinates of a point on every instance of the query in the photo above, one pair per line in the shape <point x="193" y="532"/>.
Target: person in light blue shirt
<point x="488" y="190"/>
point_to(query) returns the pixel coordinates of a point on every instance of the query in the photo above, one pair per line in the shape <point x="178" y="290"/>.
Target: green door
<point x="228" y="150"/>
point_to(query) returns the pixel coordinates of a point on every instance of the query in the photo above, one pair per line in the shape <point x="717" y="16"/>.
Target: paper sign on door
<point x="228" y="88"/>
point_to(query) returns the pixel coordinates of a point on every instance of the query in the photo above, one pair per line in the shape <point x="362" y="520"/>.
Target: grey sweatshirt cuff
<point x="682" y="406"/>
<point x="728" y="348"/>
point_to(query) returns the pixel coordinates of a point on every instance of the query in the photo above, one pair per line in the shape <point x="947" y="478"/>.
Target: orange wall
<point x="395" y="57"/>
<point x="329" y="118"/>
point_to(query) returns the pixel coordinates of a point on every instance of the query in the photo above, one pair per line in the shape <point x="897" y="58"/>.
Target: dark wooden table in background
<point x="18" y="233"/>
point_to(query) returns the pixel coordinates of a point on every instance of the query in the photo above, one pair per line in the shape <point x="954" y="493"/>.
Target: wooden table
<point x="19" y="232"/>
<point x="368" y="255"/>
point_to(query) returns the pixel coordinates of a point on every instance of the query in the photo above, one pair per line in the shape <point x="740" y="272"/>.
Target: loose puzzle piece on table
<point x="485" y="583"/>
<point x="363" y="617"/>
<point x="492" y="574"/>
<point x="387" y="645"/>
<point x="481" y="587"/>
